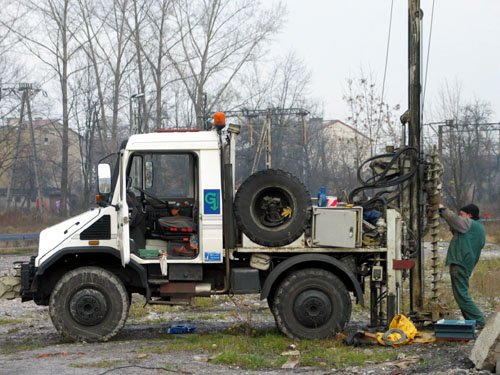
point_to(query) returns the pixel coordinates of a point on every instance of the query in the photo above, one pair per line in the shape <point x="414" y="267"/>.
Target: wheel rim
<point x="273" y="207"/>
<point x="312" y="308"/>
<point x="88" y="307"/>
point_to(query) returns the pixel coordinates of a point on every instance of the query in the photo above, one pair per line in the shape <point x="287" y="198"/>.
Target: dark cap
<point x="471" y="209"/>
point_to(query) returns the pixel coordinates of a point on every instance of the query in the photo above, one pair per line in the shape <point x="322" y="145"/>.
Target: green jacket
<point x="468" y="240"/>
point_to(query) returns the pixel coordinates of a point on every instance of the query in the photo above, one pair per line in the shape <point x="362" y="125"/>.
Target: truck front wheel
<point x="89" y="304"/>
<point x="311" y="304"/>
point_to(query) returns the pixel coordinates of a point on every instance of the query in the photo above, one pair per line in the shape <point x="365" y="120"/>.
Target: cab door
<point x="123" y="213"/>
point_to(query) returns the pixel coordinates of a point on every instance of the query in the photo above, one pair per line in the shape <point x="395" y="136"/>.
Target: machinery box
<point x="337" y="226"/>
<point x="245" y="280"/>
<point x="455" y="329"/>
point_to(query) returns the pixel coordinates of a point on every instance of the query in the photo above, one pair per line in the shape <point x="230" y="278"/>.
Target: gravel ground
<point x="47" y="353"/>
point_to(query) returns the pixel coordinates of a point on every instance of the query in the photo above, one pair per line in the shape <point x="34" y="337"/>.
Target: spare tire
<point x="271" y="208"/>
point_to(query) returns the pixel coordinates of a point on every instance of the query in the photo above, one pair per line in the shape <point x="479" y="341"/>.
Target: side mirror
<point x="104" y="179"/>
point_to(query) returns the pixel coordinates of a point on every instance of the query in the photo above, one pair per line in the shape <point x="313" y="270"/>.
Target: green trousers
<point x="460" y="286"/>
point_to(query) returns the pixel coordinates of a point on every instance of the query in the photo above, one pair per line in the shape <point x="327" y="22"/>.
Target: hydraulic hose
<point x="384" y="179"/>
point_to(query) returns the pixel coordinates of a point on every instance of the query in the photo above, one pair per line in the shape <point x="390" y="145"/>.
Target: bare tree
<point x="52" y="40"/>
<point x="469" y="146"/>
<point x="105" y="39"/>
<point x="275" y="97"/>
<point x="218" y="37"/>
<point x="87" y="111"/>
<point x="370" y="115"/>
<point x="152" y="40"/>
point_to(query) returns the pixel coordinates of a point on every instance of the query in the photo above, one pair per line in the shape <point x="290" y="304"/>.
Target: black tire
<point x="311" y="304"/>
<point x="89" y="304"/>
<point x="262" y="203"/>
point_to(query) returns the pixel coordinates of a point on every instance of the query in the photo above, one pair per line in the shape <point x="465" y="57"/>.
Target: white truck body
<point x="162" y="230"/>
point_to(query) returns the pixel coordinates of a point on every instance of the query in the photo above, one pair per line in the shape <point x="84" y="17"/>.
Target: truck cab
<point x="168" y="196"/>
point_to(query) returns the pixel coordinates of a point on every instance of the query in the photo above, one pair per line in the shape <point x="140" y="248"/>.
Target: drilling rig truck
<point x="170" y="226"/>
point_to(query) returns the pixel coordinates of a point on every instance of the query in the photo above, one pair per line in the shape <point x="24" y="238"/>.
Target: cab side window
<point x="173" y="175"/>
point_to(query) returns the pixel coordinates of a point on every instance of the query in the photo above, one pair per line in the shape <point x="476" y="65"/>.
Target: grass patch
<point x="482" y="289"/>
<point x="485" y="272"/>
<point x="204" y="317"/>
<point x="139" y="311"/>
<point x="17" y="221"/>
<point x="7" y="321"/>
<point x="98" y="364"/>
<point x="492" y="231"/>
<point x="337" y="355"/>
<point x="18" y="251"/>
<point x="203" y="302"/>
<point x="265" y="348"/>
<point x="209" y="302"/>
<point x="11" y="346"/>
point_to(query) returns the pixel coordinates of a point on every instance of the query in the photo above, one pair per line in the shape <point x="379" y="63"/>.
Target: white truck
<point x="168" y="227"/>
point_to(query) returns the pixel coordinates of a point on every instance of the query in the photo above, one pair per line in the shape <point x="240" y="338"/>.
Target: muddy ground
<point x="38" y="349"/>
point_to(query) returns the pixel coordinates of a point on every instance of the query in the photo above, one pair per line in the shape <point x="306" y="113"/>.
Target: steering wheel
<point x="153" y="197"/>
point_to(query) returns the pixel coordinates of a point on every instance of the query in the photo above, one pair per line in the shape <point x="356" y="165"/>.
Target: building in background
<point x="17" y="166"/>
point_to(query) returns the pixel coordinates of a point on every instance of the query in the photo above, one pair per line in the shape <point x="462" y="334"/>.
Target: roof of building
<point x="331" y="123"/>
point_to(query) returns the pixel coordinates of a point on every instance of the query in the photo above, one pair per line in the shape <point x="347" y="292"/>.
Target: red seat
<point x="176" y="224"/>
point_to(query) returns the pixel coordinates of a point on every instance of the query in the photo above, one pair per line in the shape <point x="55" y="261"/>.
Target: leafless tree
<point x="12" y="70"/>
<point x="218" y="38"/>
<point x="105" y="39"/>
<point x="48" y="31"/>
<point x="370" y="115"/>
<point x="153" y="37"/>
<point x="87" y="112"/>
<point x="279" y="93"/>
<point x="470" y="148"/>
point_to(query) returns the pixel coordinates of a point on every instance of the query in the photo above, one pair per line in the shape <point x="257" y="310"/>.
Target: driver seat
<point x="179" y="232"/>
<point x="176" y="224"/>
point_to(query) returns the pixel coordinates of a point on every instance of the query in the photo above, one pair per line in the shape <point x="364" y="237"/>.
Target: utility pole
<point x="414" y="140"/>
<point x="265" y="139"/>
<point x="27" y="91"/>
<point x="39" y="196"/>
<point x="16" y="151"/>
<point x="135" y="114"/>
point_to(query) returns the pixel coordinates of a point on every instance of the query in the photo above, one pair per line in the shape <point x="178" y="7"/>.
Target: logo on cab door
<point x="211" y="201"/>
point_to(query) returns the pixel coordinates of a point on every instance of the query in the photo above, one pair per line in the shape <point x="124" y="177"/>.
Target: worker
<point x="463" y="254"/>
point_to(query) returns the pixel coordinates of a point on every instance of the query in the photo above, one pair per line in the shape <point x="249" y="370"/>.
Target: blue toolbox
<point x="176" y="329"/>
<point x="455" y="329"/>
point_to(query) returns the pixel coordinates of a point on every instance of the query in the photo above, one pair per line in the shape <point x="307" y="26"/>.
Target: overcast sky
<point x="338" y="38"/>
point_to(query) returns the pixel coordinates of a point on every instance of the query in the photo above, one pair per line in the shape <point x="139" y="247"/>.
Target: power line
<point x="428" y="54"/>
<point x="386" y="63"/>
<point x="387" y="53"/>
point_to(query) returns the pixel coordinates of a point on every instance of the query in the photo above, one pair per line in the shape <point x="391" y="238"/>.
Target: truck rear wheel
<point x="89" y="304"/>
<point x="311" y="304"/>
<point x="271" y="207"/>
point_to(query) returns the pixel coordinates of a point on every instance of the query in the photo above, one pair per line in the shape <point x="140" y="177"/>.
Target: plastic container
<point x="455" y="329"/>
<point x="322" y="197"/>
<point x="179" y="329"/>
<point x="149" y="253"/>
